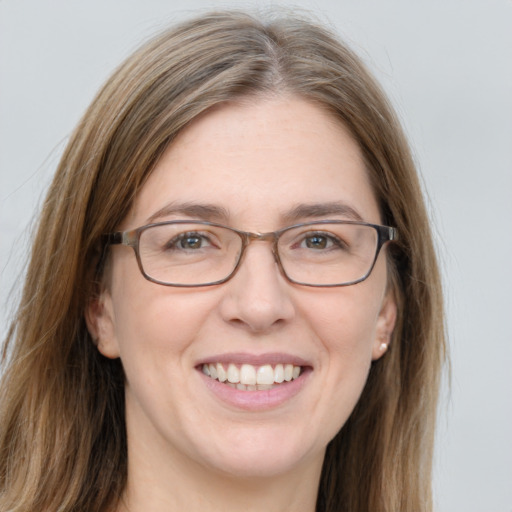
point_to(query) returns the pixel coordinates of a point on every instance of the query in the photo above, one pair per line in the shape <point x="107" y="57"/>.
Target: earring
<point x="383" y="347"/>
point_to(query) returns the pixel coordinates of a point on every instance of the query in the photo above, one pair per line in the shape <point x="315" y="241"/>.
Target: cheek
<point x="344" y="321"/>
<point x="344" y="324"/>
<point x="151" y="321"/>
<point x="159" y="321"/>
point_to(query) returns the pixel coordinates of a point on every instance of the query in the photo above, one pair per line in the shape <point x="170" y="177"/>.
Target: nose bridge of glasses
<point x="271" y="237"/>
<point x="262" y="237"/>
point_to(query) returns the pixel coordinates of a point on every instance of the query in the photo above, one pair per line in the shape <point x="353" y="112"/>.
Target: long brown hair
<point x="62" y="430"/>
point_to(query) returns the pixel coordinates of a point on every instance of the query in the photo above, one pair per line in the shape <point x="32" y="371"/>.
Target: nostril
<point x="256" y="303"/>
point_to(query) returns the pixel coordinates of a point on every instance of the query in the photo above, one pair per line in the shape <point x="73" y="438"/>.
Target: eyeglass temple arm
<point x="387" y="234"/>
<point x="112" y="238"/>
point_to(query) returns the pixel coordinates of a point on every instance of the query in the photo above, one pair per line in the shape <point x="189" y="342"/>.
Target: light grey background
<point x="447" y="67"/>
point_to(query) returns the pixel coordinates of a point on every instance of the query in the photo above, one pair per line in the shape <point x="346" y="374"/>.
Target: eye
<point x="189" y="242"/>
<point x="321" y="241"/>
<point x="317" y="242"/>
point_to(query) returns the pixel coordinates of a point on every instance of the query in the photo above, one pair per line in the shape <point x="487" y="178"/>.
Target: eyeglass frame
<point x="131" y="238"/>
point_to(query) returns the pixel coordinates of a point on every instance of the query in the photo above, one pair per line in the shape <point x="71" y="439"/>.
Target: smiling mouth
<point x="247" y="377"/>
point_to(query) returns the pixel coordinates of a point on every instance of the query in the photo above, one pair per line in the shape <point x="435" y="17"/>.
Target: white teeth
<point x="233" y="374"/>
<point x="265" y="375"/>
<point x="252" y="378"/>
<point x="279" y="374"/>
<point x="221" y="373"/>
<point x="213" y="371"/>
<point x="288" y="372"/>
<point x="248" y="374"/>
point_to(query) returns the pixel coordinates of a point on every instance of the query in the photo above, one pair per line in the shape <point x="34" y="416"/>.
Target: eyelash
<point x="173" y="243"/>
<point x="332" y="239"/>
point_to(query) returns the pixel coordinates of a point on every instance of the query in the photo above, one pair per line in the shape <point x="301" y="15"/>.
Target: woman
<point x="273" y="337"/>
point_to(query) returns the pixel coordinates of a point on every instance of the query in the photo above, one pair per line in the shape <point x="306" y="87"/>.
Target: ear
<point x="100" y="320"/>
<point x="385" y="325"/>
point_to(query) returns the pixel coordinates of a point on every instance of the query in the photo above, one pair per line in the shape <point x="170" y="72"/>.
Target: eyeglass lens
<point x="199" y="254"/>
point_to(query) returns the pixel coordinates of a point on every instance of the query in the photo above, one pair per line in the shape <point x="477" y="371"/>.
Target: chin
<point x="260" y="453"/>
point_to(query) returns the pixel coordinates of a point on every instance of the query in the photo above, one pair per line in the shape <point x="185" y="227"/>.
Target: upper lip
<point x="240" y="358"/>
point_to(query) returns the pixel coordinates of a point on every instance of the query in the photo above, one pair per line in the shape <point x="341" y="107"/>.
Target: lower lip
<point x="257" y="400"/>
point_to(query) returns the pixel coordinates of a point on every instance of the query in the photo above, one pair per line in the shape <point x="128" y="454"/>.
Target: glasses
<point x="319" y="253"/>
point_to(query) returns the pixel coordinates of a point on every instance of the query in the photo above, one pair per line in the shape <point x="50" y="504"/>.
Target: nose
<point x="258" y="296"/>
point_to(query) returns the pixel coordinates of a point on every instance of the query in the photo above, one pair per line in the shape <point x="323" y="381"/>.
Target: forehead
<point x="258" y="160"/>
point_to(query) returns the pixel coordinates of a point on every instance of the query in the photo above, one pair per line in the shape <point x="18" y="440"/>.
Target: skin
<point x="256" y="159"/>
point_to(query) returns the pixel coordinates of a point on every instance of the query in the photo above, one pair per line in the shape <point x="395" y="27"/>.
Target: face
<point x="252" y="164"/>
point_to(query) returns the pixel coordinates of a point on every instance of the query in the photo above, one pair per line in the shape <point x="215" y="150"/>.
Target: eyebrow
<point x="321" y="210"/>
<point x="216" y="213"/>
<point x="201" y="211"/>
